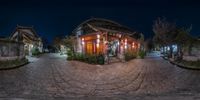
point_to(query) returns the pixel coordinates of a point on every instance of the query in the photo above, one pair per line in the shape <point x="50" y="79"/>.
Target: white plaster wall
<point x="79" y="45"/>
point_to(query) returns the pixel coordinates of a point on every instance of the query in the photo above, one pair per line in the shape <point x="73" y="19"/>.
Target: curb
<point x="14" y="67"/>
<point x="184" y="66"/>
<point x="181" y="65"/>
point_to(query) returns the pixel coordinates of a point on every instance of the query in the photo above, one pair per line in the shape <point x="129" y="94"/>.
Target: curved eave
<point x="91" y="19"/>
<point x="110" y="27"/>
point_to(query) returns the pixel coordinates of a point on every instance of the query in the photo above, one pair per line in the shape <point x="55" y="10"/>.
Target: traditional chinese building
<point x="29" y="37"/>
<point x="102" y="36"/>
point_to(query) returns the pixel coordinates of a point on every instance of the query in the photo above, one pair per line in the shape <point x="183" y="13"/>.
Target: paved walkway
<point x="54" y="78"/>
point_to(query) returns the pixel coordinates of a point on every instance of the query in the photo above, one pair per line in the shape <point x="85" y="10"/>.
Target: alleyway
<point x="52" y="77"/>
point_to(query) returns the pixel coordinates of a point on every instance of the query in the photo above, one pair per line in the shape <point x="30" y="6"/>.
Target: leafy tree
<point x="56" y="43"/>
<point x="149" y="45"/>
<point x="70" y="42"/>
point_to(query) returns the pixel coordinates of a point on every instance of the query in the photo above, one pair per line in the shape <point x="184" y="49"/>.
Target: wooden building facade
<point x="29" y="37"/>
<point x="102" y="36"/>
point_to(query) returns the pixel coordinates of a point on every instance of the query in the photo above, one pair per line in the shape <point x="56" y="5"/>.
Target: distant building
<point x="11" y="50"/>
<point x="102" y="36"/>
<point x="2" y="37"/>
<point x="29" y="37"/>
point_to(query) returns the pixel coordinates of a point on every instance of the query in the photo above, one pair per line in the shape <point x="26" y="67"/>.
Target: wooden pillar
<point x="94" y="47"/>
<point x="105" y="44"/>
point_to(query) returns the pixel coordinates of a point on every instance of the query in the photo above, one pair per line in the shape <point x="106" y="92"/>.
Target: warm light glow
<point x="119" y="35"/>
<point x="125" y="41"/>
<point x="125" y="46"/>
<point x="31" y="46"/>
<point x="98" y="36"/>
<point x="98" y="41"/>
<point x="138" y="45"/>
<point x="61" y="46"/>
<point x="94" y="47"/>
<point x="133" y="45"/>
<point x="97" y="45"/>
<point x="83" y="41"/>
<point x="121" y="47"/>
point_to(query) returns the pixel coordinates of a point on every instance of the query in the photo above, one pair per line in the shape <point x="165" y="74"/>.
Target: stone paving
<point x="54" y="78"/>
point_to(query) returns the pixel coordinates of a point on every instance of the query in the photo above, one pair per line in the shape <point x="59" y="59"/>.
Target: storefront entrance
<point x="113" y="48"/>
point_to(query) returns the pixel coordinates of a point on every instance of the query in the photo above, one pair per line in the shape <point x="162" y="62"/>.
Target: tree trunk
<point x="189" y="49"/>
<point x="170" y="51"/>
<point x="164" y="50"/>
<point x="180" y="53"/>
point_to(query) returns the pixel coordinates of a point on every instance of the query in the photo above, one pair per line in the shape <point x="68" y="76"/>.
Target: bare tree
<point x="165" y="33"/>
<point x="70" y="42"/>
<point x="56" y="43"/>
<point x="149" y="45"/>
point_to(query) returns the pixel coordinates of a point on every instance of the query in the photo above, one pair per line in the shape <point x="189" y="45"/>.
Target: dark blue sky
<point x="60" y="17"/>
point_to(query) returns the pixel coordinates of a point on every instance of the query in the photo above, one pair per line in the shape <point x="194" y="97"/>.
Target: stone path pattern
<point x="51" y="77"/>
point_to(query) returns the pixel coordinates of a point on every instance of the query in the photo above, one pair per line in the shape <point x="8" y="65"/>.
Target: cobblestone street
<point x="52" y="77"/>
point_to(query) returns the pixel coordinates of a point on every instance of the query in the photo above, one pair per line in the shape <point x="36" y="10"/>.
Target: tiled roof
<point x="99" y="24"/>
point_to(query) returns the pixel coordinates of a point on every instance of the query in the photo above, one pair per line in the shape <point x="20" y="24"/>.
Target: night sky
<point x="59" y="18"/>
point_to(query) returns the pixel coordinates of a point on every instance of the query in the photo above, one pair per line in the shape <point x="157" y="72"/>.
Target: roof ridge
<point x="20" y="26"/>
<point x="103" y="19"/>
<point x="111" y="25"/>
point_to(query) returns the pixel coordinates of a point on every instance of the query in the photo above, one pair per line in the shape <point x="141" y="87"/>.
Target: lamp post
<point x="98" y="42"/>
<point x="83" y="43"/>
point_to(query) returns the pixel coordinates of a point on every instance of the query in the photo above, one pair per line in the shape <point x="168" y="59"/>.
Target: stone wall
<point x="11" y="50"/>
<point x="195" y="54"/>
<point x="196" y="50"/>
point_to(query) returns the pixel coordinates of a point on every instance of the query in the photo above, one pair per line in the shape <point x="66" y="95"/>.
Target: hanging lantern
<point x="125" y="46"/>
<point x="98" y="40"/>
<point x="133" y="45"/>
<point x="125" y="43"/>
<point x="83" y="41"/>
<point x="97" y="45"/>
<point x="98" y="36"/>
<point x="120" y="35"/>
<point x="105" y="42"/>
<point x="121" y="47"/>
